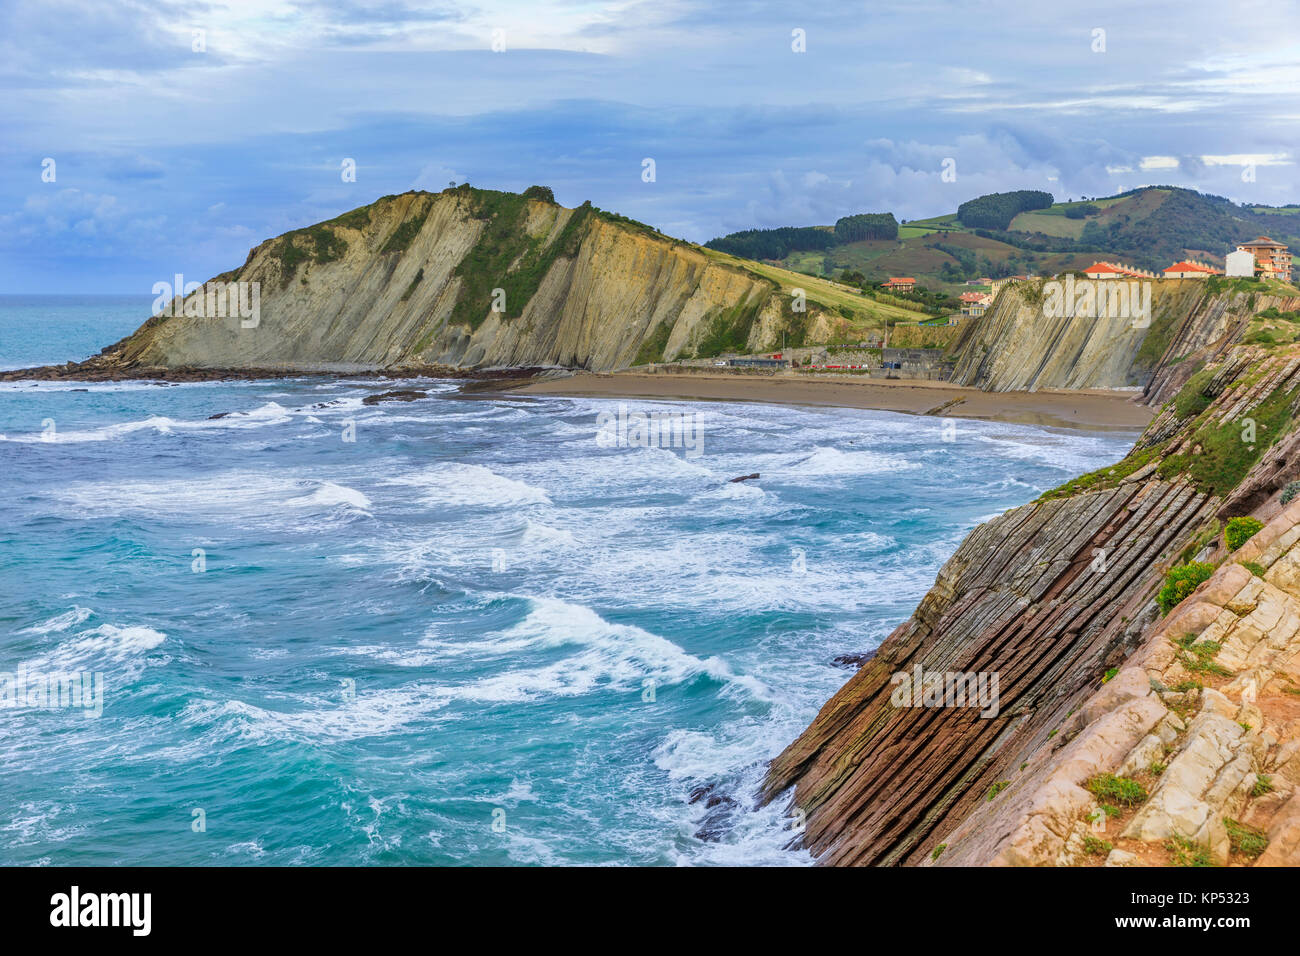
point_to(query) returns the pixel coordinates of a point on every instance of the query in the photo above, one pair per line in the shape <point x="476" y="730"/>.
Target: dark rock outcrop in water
<point x="397" y="395"/>
<point x="720" y="806"/>
<point x="752" y="477"/>
<point x="853" y="661"/>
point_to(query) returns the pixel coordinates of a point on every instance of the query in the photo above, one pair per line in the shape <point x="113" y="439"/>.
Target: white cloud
<point x="1159" y="162"/>
<point x="1248" y="159"/>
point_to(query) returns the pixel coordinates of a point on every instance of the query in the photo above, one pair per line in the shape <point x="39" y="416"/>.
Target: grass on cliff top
<point x="1227" y="452"/>
<point x="317" y="243"/>
<point x="506" y="257"/>
<point x="1106" y="477"/>
<point x="1273" y="328"/>
<point x="1220" y="456"/>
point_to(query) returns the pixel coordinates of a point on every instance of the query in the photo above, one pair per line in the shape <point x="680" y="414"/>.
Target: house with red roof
<point x="975" y="303"/>
<point x="1109" y="270"/>
<point x="1188" y="269"/>
<point x="905" y="283"/>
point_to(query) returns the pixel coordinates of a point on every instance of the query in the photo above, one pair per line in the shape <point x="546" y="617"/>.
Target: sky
<point x="144" y="138"/>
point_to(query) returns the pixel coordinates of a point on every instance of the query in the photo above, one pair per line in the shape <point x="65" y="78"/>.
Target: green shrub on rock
<point x="1182" y="581"/>
<point x="1290" y="491"/>
<point x="1239" y="531"/>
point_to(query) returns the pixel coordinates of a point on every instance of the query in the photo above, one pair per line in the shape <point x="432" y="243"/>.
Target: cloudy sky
<point x="182" y="133"/>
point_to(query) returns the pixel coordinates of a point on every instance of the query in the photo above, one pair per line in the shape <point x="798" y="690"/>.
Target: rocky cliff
<point x="1022" y="344"/>
<point x="471" y="278"/>
<point x="1120" y="735"/>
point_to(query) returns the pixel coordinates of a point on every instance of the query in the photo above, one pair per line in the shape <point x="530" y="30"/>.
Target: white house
<point x="1240" y="263"/>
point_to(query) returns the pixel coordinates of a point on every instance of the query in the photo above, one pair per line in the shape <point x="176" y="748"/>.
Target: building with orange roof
<point x="975" y="303"/>
<point x="1188" y="269"/>
<point x="900" y="282"/>
<point x="1110" y="270"/>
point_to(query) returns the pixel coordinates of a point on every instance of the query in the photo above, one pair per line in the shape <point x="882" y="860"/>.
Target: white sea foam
<point x="461" y="485"/>
<point x="270" y="413"/>
<point x="611" y="657"/>
<point x="329" y="495"/>
<point x="831" y="462"/>
<point x="97" y="649"/>
<point x="60" y="622"/>
<point x="243" y="497"/>
<point x="540" y="537"/>
<point x="367" y="714"/>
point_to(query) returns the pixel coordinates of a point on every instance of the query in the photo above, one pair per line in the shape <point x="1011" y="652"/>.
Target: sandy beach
<point x="1092" y="409"/>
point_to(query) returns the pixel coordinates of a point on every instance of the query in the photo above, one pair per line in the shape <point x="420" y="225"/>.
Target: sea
<point x="466" y="629"/>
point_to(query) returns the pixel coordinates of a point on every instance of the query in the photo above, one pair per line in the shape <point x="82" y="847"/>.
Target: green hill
<point x="1023" y="232"/>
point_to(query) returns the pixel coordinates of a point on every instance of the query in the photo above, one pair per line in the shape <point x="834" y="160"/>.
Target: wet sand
<point x="1090" y="408"/>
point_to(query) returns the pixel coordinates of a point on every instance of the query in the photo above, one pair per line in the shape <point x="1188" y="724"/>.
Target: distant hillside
<point x="1005" y="234"/>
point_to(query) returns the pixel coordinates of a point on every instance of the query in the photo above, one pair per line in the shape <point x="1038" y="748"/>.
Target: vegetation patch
<point x="1239" y="531"/>
<point x="774" y="243"/>
<point x="410" y="289"/>
<point x="1225" y="454"/>
<point x="316" y="243"/>
<point x="1183" y="852"/>
<point x="1094" y="846"/>
<point x="1249" y="841"/>
<point x="1107" y="477"/>
<point x="998" y="788"/>
<point x="1289" y="492"/>
<point x="404" y="234"/>
<point x="1191" y="399"/>
<point x="728" y="330"/>
<point x="1120" y="790"/>
<point x="652" y="349"/>
<point x="356" y="219"/>
<point x="507" y="258"/>
<point x="1199" y="658"/>
<point x="996" y="210"/>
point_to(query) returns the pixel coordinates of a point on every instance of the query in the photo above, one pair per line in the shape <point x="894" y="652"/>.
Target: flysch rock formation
<point x="1200" y="708"/>
<point x="1016" y="346"/>
<point x="465" y="278"/>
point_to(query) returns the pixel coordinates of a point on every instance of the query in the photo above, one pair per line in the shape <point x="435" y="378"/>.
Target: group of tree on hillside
<point x="867" y="225"/>
<point x="996" y="210"/>
<point x="774" y="243"/>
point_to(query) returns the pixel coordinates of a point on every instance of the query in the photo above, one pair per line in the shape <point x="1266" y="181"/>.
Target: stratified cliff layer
<point x="1018" y="344"/>
<point x="1056" y="599"/>
<point x="471" y="278"/>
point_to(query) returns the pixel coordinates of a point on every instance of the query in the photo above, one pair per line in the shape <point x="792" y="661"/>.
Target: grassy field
<point x="1049" y="222"/>
<point x="866" y="313"/>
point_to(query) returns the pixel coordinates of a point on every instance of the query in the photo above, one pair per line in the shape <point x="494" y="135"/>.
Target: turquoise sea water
<point x="472" y="614"/>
